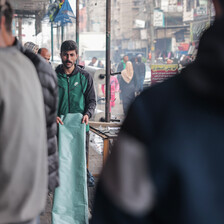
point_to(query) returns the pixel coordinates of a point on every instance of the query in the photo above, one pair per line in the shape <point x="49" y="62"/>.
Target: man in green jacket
<point x="76" y="88"/>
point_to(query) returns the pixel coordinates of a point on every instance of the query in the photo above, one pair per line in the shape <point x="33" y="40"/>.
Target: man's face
<point x="69" y="58"/>
<point x="125" y="58"/>
<point x="94" y="60"/>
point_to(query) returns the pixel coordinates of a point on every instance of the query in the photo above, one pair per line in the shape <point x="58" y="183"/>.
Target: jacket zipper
<point x="68" y="94"/>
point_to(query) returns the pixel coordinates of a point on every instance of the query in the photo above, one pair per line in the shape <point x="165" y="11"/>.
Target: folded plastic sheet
<point x="71" y="199"/>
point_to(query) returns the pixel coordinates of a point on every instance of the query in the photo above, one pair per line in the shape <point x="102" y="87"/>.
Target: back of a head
<point x="69" y="45"/>
<point x="139" y="58"/>
<point x="7" y="11"/>
<point x="45" y="53"/>
<point x="32" y="46"/>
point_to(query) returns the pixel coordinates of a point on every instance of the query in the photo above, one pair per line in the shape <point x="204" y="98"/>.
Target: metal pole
<point x="52" y="40"/>
<point x="62" y="33"/>
<point x="77" y="26"/>
<point x="151" y="10"/>
<point x="108" y="35"/>
<point x="20" y="29"/>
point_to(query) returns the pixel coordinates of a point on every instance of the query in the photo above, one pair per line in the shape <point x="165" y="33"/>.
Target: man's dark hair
<point x="139" y="59"/>
<point x="95" y="58"/>
<point x="7" y="11"/>
<point x="69" y="45"/>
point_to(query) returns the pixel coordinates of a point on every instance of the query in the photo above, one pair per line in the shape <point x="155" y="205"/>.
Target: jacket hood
<point x="206" y="74"/>
<point x="59" y="69"/>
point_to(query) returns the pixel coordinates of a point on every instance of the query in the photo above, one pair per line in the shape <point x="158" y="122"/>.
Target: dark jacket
<point x="141" y="70"/>
<point x="76" y="92"/>
<point x="48" y="82"/>
<point x="173" y="134"/>
<point x="121" y="66"/>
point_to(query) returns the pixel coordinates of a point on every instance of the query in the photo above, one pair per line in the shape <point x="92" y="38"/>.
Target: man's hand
<point x="85" y="119"/>
<point x="59" y="120"/>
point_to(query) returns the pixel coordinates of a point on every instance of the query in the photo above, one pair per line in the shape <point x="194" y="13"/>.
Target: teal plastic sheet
<point x="71" y="199"/>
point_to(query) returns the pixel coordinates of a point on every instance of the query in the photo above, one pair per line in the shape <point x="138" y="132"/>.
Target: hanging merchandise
<point x="62" y="2"/>
<point x="71" y="198"/>
<point x="65" y="14"/>
<point x="53" y="10"/>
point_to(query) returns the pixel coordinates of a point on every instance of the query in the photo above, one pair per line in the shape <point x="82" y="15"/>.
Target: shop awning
<point x="29" y="7"/>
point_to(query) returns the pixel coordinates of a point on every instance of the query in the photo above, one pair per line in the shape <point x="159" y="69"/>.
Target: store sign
<point x="143" y="34"/>
<point x="161" y="72"/>
<point x="139" y="23"/>
<point x="158" y="18"/>
<point x="201" y="11"/>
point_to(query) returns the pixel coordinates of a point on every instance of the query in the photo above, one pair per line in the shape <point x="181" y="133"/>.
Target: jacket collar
<point x="60" y="71"/>
<point x="18" y="45"/>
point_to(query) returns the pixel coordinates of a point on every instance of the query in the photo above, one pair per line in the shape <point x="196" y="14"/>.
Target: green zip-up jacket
<point x="76" y="92"/>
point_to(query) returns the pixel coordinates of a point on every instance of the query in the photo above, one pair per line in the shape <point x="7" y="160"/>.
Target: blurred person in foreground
<point x="167" y="165"/>
<point x="45" y="53"/>
<point x="48" y="80"/>
<point x="23" y="142"/>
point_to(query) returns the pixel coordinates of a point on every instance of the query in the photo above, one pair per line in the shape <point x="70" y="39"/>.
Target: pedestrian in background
<point x="121" y="67"/>
<point x="141" y="73"/>
<point x="114" y="88"/>
<point x="45" y="53"/>
<point x="93" y="62"/>
<point x="127" y="86"/>
<point x="100" y="64"/>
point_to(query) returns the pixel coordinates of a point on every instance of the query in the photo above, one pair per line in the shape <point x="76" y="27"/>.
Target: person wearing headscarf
<point x="127" y="86"/>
